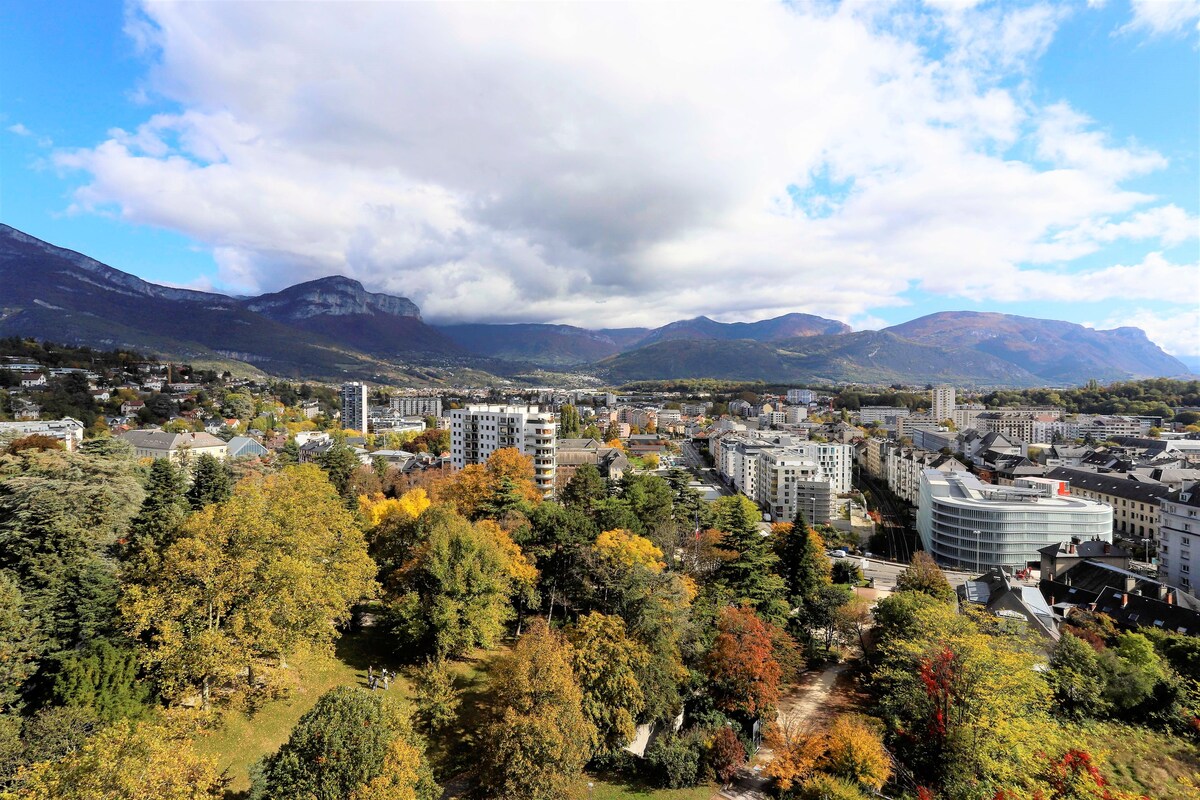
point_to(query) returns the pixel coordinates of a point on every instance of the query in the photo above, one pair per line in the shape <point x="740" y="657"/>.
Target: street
<point x="707" y="482"/>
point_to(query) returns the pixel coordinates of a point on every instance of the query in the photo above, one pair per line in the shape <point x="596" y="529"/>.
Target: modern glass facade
<point x="976" y="526"/>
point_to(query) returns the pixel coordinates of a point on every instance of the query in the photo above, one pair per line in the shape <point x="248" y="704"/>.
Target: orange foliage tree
<point x="741" y="665"/>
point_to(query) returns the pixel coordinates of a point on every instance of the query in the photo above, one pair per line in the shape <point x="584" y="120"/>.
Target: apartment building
<point x="942" y="403"/>
<point x="971" y="525"/>
<point x="354" y="406"/>
<point x="407" y="406"/>
<point x="477" y="431"/>
<point x="786" y="481"/>
<point x="179" y="447"/>
<point x="801" y="396"/>
<point x="1178" y="533"/>
<point x="884" y="414"/>
<point x="1135" y="504"/>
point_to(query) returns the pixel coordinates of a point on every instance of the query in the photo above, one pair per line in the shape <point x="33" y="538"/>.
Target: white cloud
<point x="20" y="130"/>
<point x="1176" y="331"/>
<point x="613" y="164"/>
<point x="1163" y="17"/>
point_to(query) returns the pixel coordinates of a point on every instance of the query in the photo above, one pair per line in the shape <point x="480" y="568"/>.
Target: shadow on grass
<point x="453" y="750"/>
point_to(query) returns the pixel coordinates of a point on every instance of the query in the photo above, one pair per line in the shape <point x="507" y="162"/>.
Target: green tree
<point x="162" y="513"/>
<point x="212" y="482"/>
<point x="339" y="462"/>
<point x="436" y="697"/>
<point x="18" y="644"/>
<point x="290" y="454"/>
<point x="925" y="576"/>
<point x="537" y="741"/>
<point x="1077" y="678"/>
<point x="454" y="594"/>
<point x="802" y="562"/>
<point x="752" y="572"/>
<point x="606" y="662"/>
<point x="570" y="422"/>
<point x="101" y="677"/>
<point x="352" y="745"/>
<point x="61" y="515"/>
<point x="585" y="488"/>
<point x="250" y="579"/>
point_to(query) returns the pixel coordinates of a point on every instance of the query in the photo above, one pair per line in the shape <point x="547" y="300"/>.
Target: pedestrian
<point x="370" y="673"/>
<point x="372" y="682"/>
<point x="387" y="678"/>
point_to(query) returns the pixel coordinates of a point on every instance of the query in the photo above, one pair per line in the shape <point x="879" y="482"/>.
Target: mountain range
<point x="333" y="328"/>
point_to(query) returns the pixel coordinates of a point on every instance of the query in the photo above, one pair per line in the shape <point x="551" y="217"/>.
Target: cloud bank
<point x="619" y="164"/>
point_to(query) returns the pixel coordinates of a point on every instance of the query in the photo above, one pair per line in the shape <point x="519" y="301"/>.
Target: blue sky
<point x="623" y="165"/>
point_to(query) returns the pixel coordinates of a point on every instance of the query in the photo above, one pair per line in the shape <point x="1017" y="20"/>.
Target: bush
<point x="676" y="761"/>
<point x="846" y="571"/>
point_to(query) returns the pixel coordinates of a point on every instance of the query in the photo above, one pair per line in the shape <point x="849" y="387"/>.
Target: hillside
<point x="768" y="330"/>
<point x="1054" y="351"/>
<point x="862" y="357"/>
<point x="333" y="328"/>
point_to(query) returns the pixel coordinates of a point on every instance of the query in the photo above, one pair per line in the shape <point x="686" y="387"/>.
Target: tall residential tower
<point x="354" y="407"/>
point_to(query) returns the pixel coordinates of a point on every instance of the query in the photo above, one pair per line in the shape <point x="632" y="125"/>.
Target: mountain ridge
<point x="334" y="328"/>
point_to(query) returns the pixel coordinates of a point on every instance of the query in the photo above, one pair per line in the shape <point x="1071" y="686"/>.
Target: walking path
<point x="807" y="701"/>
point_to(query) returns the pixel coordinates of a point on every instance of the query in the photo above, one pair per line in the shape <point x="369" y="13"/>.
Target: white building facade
<point x="477" y="431"/>
<point x="942" y="407"/>
<point x="1178" y="534"/>
<point x="971" y="525"/>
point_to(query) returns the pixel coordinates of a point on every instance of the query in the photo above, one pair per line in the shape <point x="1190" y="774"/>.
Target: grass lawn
<point x="241" y="740"/>
<point x="1145" y="761"/>
<point x="607" y="788"/>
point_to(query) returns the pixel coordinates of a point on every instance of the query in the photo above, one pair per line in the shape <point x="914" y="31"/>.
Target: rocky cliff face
<point x="333" y="296"/>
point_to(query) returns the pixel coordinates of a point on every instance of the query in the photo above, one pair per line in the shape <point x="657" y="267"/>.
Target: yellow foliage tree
<point x="796" y="752"/>
<point x="615" y="444"/>
<point x="131" y="761"/>
<point x="855" y="751"/>
<point x="523" y="573"/>
<point x="629" y="550"/>
<point x="378" y="509"/>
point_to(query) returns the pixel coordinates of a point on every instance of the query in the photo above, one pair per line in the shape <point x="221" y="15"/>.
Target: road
<point x="885" y="573"/>
<point x="707" y="482"/>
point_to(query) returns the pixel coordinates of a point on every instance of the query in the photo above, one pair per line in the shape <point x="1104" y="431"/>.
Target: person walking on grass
<point x="387" y="678"/>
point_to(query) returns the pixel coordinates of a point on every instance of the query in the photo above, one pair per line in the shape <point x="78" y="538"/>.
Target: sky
<point x="610" y="164"/>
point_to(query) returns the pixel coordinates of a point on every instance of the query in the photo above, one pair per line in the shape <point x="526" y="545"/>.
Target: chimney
<point x="1124" y="599"/>
<point x="1071" y="549"/>
<point x="1171" y="597"/>
<point x="1107" y="548"/>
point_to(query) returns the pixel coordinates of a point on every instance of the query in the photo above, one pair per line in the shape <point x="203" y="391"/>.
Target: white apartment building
<point x="354" y="406"/>
<point x="1178" y="533"/>
<point x="787" y="480"/>
<point x="795" y="414"/>
<point x="477" y="431"/>
<point x="869" y="414"/>
<point x="942" y="403"/>
<point x="409" y="406"/>
<point x="801" y="396"/>
<point x="67" y="430"/>
<point x="835" y="460"/>
<point x="964" y="415"/>
<point x="769" y="419"/>
<point x="977" y="526"/>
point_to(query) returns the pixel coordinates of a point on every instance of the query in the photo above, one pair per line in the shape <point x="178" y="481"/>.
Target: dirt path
<point x="806" y="703"/>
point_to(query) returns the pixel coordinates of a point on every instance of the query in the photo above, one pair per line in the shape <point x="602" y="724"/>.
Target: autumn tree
<point x="352" y="745"/>
<point x="275" y="567"/>
<point x="606" y="661"/>
<point x="925" y="576"/>
<point x="727" y="754"/>
<point x="855" y="751"/>
<point x="796" y="751"/>
<point x="967" y="709"/>
<point x="538" y="739"/>
<point x="751" y="572"/>
<point x="131" y="761"/>
<point x="743" y="673"/>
